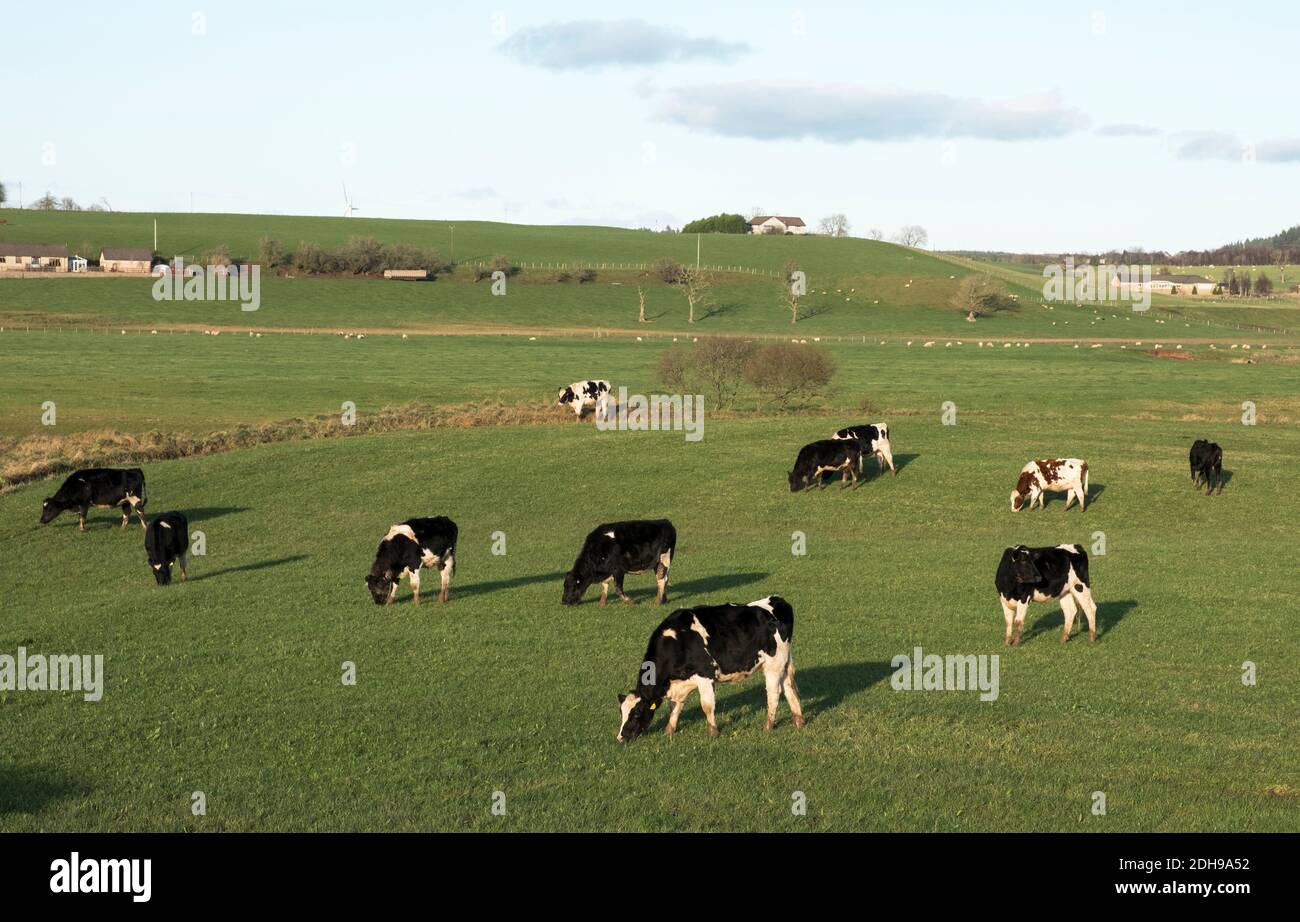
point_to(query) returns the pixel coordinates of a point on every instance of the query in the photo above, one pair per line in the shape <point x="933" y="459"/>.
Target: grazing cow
<point x="1206" y="460"/>
<point x="826" y="456"/>
<point x="616" y="549"/>
<point x="1060" y="475"/>
<point x="875" y="441"/>
<point x="1040" y="574"/>
<point x="416" y="543"/>
<point x="101" y="487"/>
<point x="695" y="647"/>
<point x="583" y="394"/>
<point x="167" y="538"/>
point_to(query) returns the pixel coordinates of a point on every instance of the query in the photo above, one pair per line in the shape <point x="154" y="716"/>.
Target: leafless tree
<point x="876" y="234"/>
<point x="640" y="294"/>
<point x="912" y="235"/>
<point x="835" y="225"/>
<point x="46" y="202"/>
<point x="695" y="285"/>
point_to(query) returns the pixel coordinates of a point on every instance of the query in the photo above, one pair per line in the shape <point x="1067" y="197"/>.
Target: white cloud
<point x="590" y="43"/>
<point x="1222" y="145"/>
<point x="1128" y="130"/>
<point x="843" y="113"/>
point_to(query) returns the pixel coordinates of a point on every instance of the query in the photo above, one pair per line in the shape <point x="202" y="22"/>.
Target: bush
<point x="501" y="264"/>
<point x="270" y="253"/>
<point x="713" y="366"/>
<point x="675" y="369"/>
<point x="584" y="273"/>
<point x="787" y="371"/>
<point x="217" y="256"/>
<point x="667" y="270"/>
<point x="718" y="224"/>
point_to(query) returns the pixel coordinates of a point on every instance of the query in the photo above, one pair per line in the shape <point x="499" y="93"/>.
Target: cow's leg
<point x="444" y="576"/>
<point x="415" y="585"/>
<point x="886" y="456"/>
<point x="392" y="590"/>
<point x="618" y="587"/>
<point x="139" y="514"/>
<point x="707" y="702"/>
<point x="126" y="513"/>
<point x="604" y="591"/>
<point x="772" y="675"/>
<point x="1021" y="609"/>
<point x="679" y="695"/>
<point x="81" y="515"/>
<point x="1069" y="609"/>
<point x="1218" y="477"/>
<point x="792" y="693"/>
<point x="1084" y="598"/>
<point x="1082" y="493"/>
<point x="1069" y="497"/>
<point x="1008" y="614"/>
<point x="185" y="564"/>
<point x="661" y="577"/>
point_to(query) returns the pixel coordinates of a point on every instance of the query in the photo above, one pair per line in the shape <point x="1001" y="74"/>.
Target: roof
<point x="787" y="221"/>
<point x="32" y="249"/>
<point x="1182" y="279"/>
<point x="126" y="253"/>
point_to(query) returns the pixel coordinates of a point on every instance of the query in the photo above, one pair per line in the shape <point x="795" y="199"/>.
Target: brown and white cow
<point x="1061" y="475"/>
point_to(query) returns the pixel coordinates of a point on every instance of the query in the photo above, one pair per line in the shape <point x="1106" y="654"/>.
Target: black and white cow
<point x="695" y="647"/>
<point x="1041" y="574"/>
<point x="1206" y="461"/>
<point x="101" y="487"/>
<point x="167" y="538"/>
<point x="875" y="441"/>
<point x="416" y="543"/>
<point x="617" y="548"/>
<point x="583" y="394"/>
<point x="826" y="456"/>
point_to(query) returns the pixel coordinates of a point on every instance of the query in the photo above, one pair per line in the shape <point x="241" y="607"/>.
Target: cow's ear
<point x="620" y="698"/>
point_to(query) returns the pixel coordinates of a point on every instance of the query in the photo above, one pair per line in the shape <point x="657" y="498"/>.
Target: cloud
<point x="1222" y="145"/>
<point x="590" y="43"/>
<point x="843" y="113"/>
<point x="1128" y="130"/>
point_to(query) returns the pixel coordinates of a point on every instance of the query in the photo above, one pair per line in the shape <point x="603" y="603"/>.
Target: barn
<point x="126" y="260"/>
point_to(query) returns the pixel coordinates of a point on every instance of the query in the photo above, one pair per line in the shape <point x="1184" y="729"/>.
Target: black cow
<point x="695" y="647"/>
<point x="617" y="548"/>
<point x="875" y="440"/>
<point x="826" y="455"/>
<point x="1040" y="574"/>
<point x="102" y="487"/>
<point x="167" y="538"/>
<point x="1206" y="461"/>
<point x="416" y="543"/>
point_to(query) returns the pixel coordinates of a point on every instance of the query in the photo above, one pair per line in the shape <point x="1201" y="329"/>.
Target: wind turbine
<point x="347" y="203"/>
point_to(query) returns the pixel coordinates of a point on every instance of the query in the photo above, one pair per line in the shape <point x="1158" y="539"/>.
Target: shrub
<point x="584" y="273"/>
<point x="787" y="371"/>
<point x="217" y="256"/>
<point x="501" y="264"/>
<point x="718" y="224"/>
<point x="270" y="253"/>
<point x="667" y="270"/>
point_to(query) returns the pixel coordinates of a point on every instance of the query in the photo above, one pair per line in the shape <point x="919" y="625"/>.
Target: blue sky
<point x="1030" y="126"/>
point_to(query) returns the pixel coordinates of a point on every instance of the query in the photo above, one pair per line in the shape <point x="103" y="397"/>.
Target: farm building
<point x="1166" y="284"/>
<point x="33" y="257"/>
<point x="126" y="260"/>
<point x="776" y="224"/>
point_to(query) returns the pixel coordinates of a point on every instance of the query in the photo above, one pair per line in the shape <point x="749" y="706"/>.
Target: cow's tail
<point x="1085" y="478"/>
<point x="143" y="489"/>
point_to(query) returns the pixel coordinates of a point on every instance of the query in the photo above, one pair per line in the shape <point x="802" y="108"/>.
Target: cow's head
<point x="382" y="586"/>
<point x="795" y="481"/>
<point x="162" y="572"/>
<point x="1022" y="565"/>
<point x="1023" y="487"/>
<point x="635" y="714"/>
<point x="574" y="587"/>
<point x="566" y="396"/>
<point x="49" y="510"/>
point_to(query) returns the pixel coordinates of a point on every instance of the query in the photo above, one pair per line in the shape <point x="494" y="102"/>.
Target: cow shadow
<point x="821" y="689"/>
<point x="249" y="567"/>
<point x="1094" y="490"/>
<point x="1224" y="477"/>
<point x="719" y="583"/>
<point x="1109" y="614"/>
<point x="207" y="513"/>
<point x="28" y="789"/>
<point x="496" y="585"/>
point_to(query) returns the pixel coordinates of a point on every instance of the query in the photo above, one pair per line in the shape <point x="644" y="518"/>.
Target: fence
<point x="634" y="267"/>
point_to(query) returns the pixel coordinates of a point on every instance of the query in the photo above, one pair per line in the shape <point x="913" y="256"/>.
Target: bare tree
<point x="979" y="295"/>
<point x="912" y="235"/>
<point x="876" y="234"/>
<point x="46" y="202"/>
<point x="835" y="225"/>
<point x="1279" y="256"/>
<point x="3" y="196"/>
<point x="695" y="284"/>
<point x="640" y="294"/>
<point x="68" y="204"/>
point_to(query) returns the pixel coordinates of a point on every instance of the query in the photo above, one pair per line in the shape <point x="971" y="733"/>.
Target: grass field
<point x="230" y="684"/>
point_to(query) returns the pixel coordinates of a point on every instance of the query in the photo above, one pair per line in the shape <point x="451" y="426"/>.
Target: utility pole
<point x="453" y="244"/>
<point x="697" y="251"/>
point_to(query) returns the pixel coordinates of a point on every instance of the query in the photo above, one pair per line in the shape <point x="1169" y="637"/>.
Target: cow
<point x="406" y="549"/>
<point x="167" y="538"/>
<point x="1060" y="475"/>
<point x="583" y="394"/>
<point x="823" y="456"/>
<point x="615" y="549"/>
<point x="1040" y="574"/>
<point x="101" y="487"/>
<point x="1206" y="461"/>
<point x="875" y="441"/>
<point x="695" y="647"/>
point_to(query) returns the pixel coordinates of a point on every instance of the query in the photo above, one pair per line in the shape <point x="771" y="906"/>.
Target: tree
<point x="718" y="224"/>
<point x="835" y="225"/>
<point x="718" y="364"/>
<point x="667" y="270"/>
<point x="912" y="235"/>
<point x="1263" y="286"/>
<point x="785" y="371"/>
<point x="3" y="195"/>
<point x="980" y="295"/>
<point x="640" y="295"/>
<point x="46" y="202"/>
<point x="1279" y="256"/>
<point x="270" y="253"/>
<point x="695" y="285"/>
<point x="876" y="234"/>
<point x="68" y="204"/>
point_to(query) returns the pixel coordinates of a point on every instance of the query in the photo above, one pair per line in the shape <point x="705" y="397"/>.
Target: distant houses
<point x="33" y="257"/>
<point x="124" y="259"/>
<point x="1166" y="284"/>
<point x="776" y="224"/>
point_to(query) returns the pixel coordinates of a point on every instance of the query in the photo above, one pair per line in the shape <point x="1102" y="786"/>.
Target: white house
<point x="776" y="224"/>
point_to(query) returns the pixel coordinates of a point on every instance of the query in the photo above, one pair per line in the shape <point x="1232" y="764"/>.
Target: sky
<point x="1020" y="126"/>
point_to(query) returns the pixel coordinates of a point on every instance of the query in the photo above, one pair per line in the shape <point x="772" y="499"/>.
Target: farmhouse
<point x="126" y="260"/>
<point x="776" y="224"/>
<point x="1165" y="284"/>
<point x="33" y="257"/>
